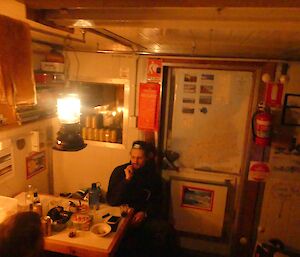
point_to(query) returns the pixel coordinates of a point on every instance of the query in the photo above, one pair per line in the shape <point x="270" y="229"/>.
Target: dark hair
<point x="21" y="235"/>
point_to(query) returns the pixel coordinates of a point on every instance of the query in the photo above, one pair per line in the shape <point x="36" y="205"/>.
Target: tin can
<point x="83" y="132"/>
<point x="95" y="134"/>
<point x="88" y="121"/>
<point x="89" y="133"/>
<point x="107" y="135"/>
<point x="101" y="135"/>
<point x="37" y="207"/>
<point x="94" y="121"/>
<point x="46" y="225"/>
<point x="113" y="136"/>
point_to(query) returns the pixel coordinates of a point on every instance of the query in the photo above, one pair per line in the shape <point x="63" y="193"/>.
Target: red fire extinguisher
<point x="261" y="126"/>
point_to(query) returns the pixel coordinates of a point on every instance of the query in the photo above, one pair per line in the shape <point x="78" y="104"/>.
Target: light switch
<point x="35" y="140"/>
<point x="132" y="122"/>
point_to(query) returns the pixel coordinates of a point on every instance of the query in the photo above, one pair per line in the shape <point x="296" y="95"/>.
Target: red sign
<point x="149" y="106"/>
<point x="258" y="171"/>
<point x="154" y="70"/>
<point x="274" y="93"/>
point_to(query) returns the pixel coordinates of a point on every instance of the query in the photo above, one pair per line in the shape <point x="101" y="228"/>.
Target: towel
<point x="17" y="84"/>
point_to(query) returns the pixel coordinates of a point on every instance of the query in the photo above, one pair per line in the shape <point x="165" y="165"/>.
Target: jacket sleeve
<point x="116" y="193"/>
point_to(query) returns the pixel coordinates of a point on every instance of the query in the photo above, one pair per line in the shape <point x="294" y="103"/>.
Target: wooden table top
<point x="86" y="243"/>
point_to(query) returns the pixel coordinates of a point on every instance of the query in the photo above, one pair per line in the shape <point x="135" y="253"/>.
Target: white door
<point x="209" y="118"/>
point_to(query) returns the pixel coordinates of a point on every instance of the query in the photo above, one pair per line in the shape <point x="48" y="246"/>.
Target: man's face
<point x="137" y="158"/>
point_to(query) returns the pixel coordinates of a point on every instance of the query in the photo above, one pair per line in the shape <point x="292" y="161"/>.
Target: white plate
<point x="101" y="229"/>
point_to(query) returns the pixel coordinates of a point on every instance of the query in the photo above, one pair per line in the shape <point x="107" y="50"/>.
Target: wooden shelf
<point x="17" y="125"/>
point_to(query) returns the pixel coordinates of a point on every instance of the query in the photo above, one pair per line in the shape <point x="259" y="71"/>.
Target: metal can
<point x="83" y="132"/>
<point x="101" y="135"/>
<point x="37" y="207"/>
<point x="94" y="121"/>
<point x="95" y="134"/>
<point x="113" y="136"/>
<point x="89" y="133"/>
<point x="46" y="225"/>
<point x="88" y="121"/>
<point x="107" y="135"/>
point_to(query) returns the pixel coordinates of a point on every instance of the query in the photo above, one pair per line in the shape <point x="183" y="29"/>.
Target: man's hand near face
<point x="138" y="218"/>
<point x="129" y="172"/>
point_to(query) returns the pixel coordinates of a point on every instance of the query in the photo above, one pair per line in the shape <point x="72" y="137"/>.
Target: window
<point x="102" y="107"/>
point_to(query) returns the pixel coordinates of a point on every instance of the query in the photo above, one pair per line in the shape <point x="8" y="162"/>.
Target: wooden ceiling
<point x="257" y="29"/>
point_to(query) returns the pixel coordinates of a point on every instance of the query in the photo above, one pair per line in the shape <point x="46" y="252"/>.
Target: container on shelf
<point x="52" y="66"/>
<point x="95" y="134"/>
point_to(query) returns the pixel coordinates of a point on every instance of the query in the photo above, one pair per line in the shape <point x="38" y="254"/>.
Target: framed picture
<point x="35" y="163"/>
<point x="291" y="110"/>
<point x="198" y="198"/>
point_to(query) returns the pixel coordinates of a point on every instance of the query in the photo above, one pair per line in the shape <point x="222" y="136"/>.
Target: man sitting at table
<point x="138" y="184"/>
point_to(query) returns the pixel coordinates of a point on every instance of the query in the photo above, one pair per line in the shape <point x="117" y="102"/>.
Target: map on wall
<point x="210" y="118"/>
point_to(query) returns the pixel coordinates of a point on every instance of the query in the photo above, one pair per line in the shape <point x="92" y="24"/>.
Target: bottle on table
<point x="36" y="205"/>
<point x="29" y="196"/>
<point x="94" y="196"/>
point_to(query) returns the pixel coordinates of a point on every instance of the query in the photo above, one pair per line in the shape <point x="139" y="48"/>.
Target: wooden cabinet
<point x="48" y="86"/>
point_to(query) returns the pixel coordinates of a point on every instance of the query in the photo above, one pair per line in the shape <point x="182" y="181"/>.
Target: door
<point x="207" y="124"/>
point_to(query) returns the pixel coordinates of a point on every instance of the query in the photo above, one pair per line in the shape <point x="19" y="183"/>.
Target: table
<point x="85" y="244"/>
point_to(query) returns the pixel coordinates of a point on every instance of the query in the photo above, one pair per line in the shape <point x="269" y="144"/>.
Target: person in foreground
<point x="137" y="184"/>
<point x="21" y="235"/>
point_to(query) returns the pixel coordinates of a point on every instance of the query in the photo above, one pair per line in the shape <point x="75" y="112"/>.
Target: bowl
<point x="101" y="229"/>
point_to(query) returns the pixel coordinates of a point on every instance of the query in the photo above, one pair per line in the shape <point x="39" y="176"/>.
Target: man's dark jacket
<point x="142" y="192"/>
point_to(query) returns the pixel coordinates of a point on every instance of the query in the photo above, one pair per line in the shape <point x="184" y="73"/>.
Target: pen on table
<point x="105" y="215"/>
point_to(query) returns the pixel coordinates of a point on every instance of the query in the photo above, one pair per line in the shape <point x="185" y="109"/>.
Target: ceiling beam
<point x="94" y="4"/>
<point x="116" y="38"/>
<point x="157" y="14"/>
<point x="210" y="18"/>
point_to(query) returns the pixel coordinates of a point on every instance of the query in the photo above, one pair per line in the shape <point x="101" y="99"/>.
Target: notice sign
<point x="154" y="70"/>
<point x="35" y="163"/>
<point x="274" y="93"/>
<point x="149" y="106"/>
<point x="258" y="171"/>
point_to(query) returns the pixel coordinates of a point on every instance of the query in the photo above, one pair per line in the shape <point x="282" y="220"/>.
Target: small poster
<point x="149" y="106"/>
<point x="274" y="93"/>
<point x="258" y="171"/>
<point x="198" y="198"/>
<point x="35" y="163"/>
<point x="154" y="70"/>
